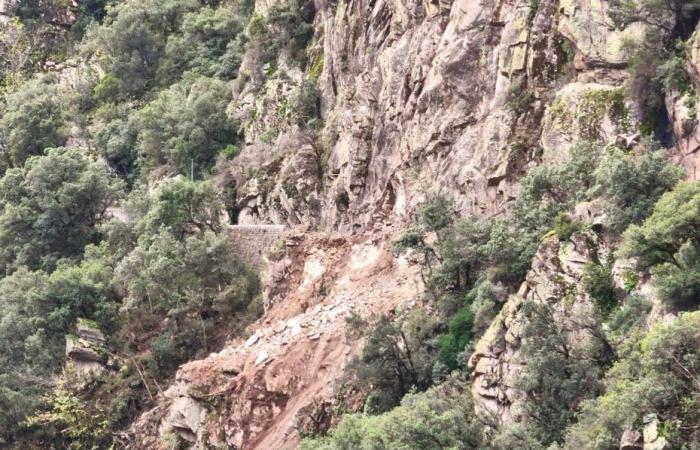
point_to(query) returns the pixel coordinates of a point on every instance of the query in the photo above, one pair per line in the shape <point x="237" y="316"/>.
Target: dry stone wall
<point x="253" y="242"/>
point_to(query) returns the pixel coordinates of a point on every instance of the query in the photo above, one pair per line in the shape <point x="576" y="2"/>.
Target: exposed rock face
<point x="556" y="273"/>
<point x="250" y="394"/>
<point x="448" y="97"/>
<point x="417" y="94"/>
<point x="599" y="42"/>
<point x="683" y="110"/>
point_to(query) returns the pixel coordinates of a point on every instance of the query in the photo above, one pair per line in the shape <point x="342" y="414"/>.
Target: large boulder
<point x="653" y="440"/>
<point x="86" y="353"/>
<point x="631" y="440"/>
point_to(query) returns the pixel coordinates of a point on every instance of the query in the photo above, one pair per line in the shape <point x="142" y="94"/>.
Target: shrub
<point x="564" y="227"/>
<point x="283" y="28"/>
<point x="598" y="284"/>
<point x="460" y="333"/>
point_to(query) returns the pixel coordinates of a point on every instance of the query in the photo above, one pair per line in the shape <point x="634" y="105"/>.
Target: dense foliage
<point x="101" y="101"/>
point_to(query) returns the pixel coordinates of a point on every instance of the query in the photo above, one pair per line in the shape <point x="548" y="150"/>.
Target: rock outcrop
<point x="86" y="352"/>
<point x="554" y="280"/>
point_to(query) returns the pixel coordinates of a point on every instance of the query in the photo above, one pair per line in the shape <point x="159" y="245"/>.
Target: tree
<point x="633" y="183"/>
<point x="658" y="373"/>
<point x="117" y="143"/>
<point x="34" y="120"/>
<point x="183" y="207"/>
<point x="441" y="418"/>
<point x="560" y="372"/>
<point x="52" y="207"/>
<point x="186" y="125"/>
<point x="131" y="41"/>
<point x="210" y="43"/>
<point x="394" y="360"/>
<point x="668" y="243"/>
<point x="70" y="422"/>
<point x="198" y="284"/>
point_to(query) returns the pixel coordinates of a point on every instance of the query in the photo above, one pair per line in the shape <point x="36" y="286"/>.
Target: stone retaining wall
<point x="253" y="242"/>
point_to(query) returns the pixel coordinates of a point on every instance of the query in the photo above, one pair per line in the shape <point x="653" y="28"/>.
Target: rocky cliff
<point x="459" y="98"/>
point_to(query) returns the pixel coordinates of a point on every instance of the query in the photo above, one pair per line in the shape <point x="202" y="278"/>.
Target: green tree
<point x="560" y="371"/>
<point x="210" y="42"/>
<point x="197" y="283"/>
<point x="51" y="208"/>
<point x="186" y="125"/>
<point x="396" y="358"/>
<point x="633" y="183"/>
<point x="131" y="41"/>
<point x="34" y="119"/>
<point x="441" y="418"/>
<point x="668" y="243"/>
<point x="460" y="333"/>
<point x="117" y="143"/>
<point x="73" y="424"/>
<point x="658" y="373"/>
<point x="183" y="207"/>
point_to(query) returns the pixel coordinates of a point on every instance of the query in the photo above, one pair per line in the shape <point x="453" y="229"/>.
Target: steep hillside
<point x="350" y="224"/>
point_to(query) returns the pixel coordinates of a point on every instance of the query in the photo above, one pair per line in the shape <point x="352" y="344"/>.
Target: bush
<point x="198" y="284"/>
<point x="598" y="284"/>
<point x="460" y="333"/>
<point x="564" y="227"/>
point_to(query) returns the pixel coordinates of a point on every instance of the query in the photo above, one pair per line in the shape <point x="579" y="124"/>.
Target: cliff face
<point x="417" y="98"/>
<point x="440" y="97"/>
